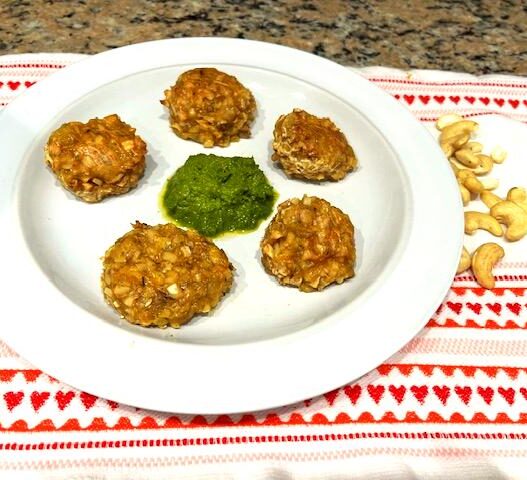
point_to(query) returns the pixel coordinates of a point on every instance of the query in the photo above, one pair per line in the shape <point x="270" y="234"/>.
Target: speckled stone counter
<point x="484" y="36"/>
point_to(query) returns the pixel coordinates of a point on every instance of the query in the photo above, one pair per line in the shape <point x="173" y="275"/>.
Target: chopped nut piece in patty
<point x="163" y="275"/>
<point x="309" y="244"/>
<point x="311" y="148"/>
<point x="210" y="107"/>
<point x="96" y="159"/>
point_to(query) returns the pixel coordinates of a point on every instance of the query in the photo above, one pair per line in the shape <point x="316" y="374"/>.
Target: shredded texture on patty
<point x="210" y="107"/>
<point x="163" y="275"/>
<point x="96" y="159"/>
<point x="309" y="244"/>
<point x="311" y="148"/>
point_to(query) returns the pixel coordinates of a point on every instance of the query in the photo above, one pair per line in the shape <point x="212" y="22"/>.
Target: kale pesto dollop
<point x="215" y="195"/>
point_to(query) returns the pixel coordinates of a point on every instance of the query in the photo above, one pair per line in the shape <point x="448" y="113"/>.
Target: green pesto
<point x="215" y="195"/>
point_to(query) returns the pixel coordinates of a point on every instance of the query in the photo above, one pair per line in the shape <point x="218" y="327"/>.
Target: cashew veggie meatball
<point x="309" y="244"/>
<point x="210" y="107"/>
<point x="163" y="275"/>
<point x="311" y="148"/>
<point x="96" y="159"/>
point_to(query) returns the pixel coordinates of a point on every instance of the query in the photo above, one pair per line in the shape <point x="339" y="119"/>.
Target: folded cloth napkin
<point x="451" y="404"/>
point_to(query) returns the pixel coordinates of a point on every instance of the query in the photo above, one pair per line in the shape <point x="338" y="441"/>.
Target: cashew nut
<point x="447" y="119"/>
<point x="490" y="199"/>
<point x="483" y="261"/>
<point x="465" y="194"/>
<point x="475" y="147"/>
<point x="473" y="185"/>
<point x="482" y="221"/>
<point x="518" y="195"/>
<point x="485" y="165"/>
<point x="468" y="163"/>
<point x="447" y="147"/>
<point x="451" y="144"/>
<point x="513" y="216"/>
<point x="498" y="154"/>
<point x="455" y="129"/>
<point x="454" y="135"/>
<point x="464" y="261"/>
<point x="469" y="181"/>
<point x="456" y="164"/>
<point x="467" y="157"/>
<point x="464" y="174"/>
<point x="460" y="140"/>
<point x="490" y="183"/>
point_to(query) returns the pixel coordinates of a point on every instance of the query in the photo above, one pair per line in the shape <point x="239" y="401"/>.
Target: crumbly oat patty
<point x="163" y="275"/>
<point x="311" y="148"/>
<point x="309" y="244"/>
<point x="96" y="159"/>
<point x="210" y="107"/>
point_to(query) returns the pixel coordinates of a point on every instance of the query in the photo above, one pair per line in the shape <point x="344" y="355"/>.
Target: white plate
<point x="265" y="345"/>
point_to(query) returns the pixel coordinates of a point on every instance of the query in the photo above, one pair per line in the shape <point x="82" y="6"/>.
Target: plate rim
<point x="255" y="377"/>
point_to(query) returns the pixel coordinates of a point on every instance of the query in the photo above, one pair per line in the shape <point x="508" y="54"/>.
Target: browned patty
<point x="309" y="244"/>
<point x="163" y="275"/>
<point x="210" y="107"/>
<point x="311" y="148"/>
<point x="96" y="159"/>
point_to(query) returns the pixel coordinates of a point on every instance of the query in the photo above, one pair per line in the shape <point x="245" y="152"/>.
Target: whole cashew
<point x="469" y="180"/>
<point x="467" y="157"/>
<point x="483" y="261"/>
<point x="485" y="165"/>
<point x="460" y="140"/>
<point x="473" y="185"/>
<point x="455" y="129"/>
<point x="518" y="195"/>
<point x="513" y="216"/>
<point x="463" y="174"/>
<point x="490" y="199"/>
<point x="475" y="147"/>
<point x="464" y="261"/>
<point x="447" y="119"/>
<point x="454" y="135"/>
<point x="482" y="221"/>
<point x="450" y="144"/>
<point x="456" y="164"/>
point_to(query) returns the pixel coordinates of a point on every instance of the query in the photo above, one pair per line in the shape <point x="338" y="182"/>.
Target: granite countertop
<point x="482" y="36"/>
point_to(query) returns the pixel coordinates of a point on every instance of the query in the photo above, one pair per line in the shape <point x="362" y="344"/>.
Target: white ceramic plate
<point x="265" y="345"/>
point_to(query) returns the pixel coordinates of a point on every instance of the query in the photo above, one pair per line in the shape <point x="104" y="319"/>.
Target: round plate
<point x="265" y="345"/>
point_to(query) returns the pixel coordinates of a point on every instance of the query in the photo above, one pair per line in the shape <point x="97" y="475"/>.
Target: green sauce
<point x="215" y="195"/>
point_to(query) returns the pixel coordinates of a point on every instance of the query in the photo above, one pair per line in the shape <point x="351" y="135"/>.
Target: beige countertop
<point x="484" y="36"/>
